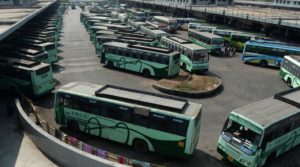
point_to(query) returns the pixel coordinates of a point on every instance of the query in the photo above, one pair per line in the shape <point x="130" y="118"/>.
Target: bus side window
<point x="67" y="102"/>
<point x="267" y="139"/>
<point x="159" y="122"/>
<point x="178" y="126"/>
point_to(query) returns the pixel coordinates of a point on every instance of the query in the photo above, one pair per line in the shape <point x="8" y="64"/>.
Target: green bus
<point x="32" y="78"/>
<point x="135" y="24"/>
<point x="26" y="53"/>
<point x="193" y="58"/>
<point x="137" y="14"/>
<point x="290" y="70"/>
<point x="123" y="38"/>
<point x="94" y="29"/>
<point x="153" y="32"/>
<point x="47" y="47"/>
<point x="50" y="35"/>
<point x="37" y="37"/>
<point x="148" y="60"/>
<point x="212" y="42"/>
<point x="116" y="32"/>
<point x="256" y="134"/>
<point x="239" y="39"/>
<point x="144" y="120"/>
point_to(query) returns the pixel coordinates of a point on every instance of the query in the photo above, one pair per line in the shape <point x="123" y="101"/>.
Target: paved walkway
<point x="16" y="147"/>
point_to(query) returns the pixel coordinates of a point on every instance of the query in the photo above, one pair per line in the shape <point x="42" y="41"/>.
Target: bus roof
<point x="178" y="39"/>
<point x="271" y="110"/>
<point x="21" y="63"/>
<point x="142" y="47"/>
<point x="193" y="46"/>
<point x="206" y="34"/>
<point x="164" y="18"/>
<point x="296" y="59"/>
<point x="273" y="44"/>
<point x="134" y="97"/>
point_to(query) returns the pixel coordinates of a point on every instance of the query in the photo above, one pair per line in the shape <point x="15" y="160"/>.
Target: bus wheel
<point x="73" y="126"/>
<point x="110" y="64"/>
<point x="140" y="146"/>
<point x="146" y="73"/>
<point x="184" y="66"/>
<point x="263" y="63"/>
<point x="289" y="82"/>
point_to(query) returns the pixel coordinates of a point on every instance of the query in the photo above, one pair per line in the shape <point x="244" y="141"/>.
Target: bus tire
<point x="140" y="146"/>
<point x="73" y="126"/>
<point x="184" y="66"/>
<point x="263" y="63"/>
<point x="289" y="82"/>
<point x="146" y="73"/>
<point x="110" y="64"/>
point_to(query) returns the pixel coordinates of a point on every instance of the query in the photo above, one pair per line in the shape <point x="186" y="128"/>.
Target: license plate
<point x="230" y="158"/>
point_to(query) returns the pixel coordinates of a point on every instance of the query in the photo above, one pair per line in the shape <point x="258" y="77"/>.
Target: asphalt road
<point x="242" y="84"/>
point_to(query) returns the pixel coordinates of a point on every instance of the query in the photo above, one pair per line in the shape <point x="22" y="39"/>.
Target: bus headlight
<point x="244" y="162"/>
<point x="181" y="144"/>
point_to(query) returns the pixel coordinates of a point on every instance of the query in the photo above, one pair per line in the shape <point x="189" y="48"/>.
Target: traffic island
<point x="189" y="85"/>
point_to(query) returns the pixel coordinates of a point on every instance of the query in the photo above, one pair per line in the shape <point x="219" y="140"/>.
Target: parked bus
<point x="201" y="27"/>
<point x="150" y="61"/>
<point x="214" y="43"/>
<point x="136" y="24"/>
<point x="290" y="70"/>
<point x="95" y="29"/>
<point x="50" y="35"/>
<point x="267" y="53"/>
<point x="121" y="38"/>
<point x="164" y="23"/>
<point x="37" y="37"/>
<point x="32" y="78"/>
<point x="123" y="17"/>
<point x="146" y="121"/>
<point x="193" y="58"/>
<point x="183" y="23"/>
<point x="153" y="32"/>
<point x="239" y="39"/>
<point x="223" y="33"/>
<point x="26" y="53"/>
<point x="137" y="15"/>
<point x="47" y="47"/>
<point x="256" y="134"/>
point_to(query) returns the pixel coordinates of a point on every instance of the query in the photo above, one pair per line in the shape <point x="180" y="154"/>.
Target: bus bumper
<point x="233" y="161"/>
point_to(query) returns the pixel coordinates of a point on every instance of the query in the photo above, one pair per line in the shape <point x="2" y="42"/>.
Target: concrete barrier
<point x="194" y="94"/>
<point x="58" y="151"/>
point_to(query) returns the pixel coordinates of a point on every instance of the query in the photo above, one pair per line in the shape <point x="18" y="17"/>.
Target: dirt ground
<point x="190" y="82"/>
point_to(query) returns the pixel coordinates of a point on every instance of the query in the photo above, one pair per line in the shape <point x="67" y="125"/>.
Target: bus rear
<point x="193" y="133"/>
<point x="239" y="141"/>
<point x="174" y="65"/>
<point x="42" y="79"/>
<point x="52" y="51"/>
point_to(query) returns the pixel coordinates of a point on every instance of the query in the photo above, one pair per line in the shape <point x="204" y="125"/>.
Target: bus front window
<point x="241" y="137"/>
<point x="217" y="42"/>
<point x="198" y="56"/>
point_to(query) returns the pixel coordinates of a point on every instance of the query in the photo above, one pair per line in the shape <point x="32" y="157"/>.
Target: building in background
<point x="201" y="2"/>
<point x="16" y="2"/>
<point x="287" y="3"/>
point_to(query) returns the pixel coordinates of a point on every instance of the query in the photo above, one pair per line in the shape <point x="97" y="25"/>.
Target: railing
<point x="30" y="109"/>
<point x="264" y="15"/>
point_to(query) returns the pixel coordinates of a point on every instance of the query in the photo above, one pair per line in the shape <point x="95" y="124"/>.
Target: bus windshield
<point x="198" y="56"/>
<point x="241" y="137"/>
<point x="217" y="41"/>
